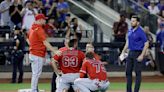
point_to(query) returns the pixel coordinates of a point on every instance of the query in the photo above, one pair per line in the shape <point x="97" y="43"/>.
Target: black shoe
<point x="20" y="81"/>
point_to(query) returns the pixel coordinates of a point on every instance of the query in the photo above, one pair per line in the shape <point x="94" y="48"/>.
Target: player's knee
<point x="77" y="81"/>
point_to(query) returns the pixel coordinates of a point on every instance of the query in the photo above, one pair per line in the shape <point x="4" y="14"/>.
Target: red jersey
<point x="94" y="69"/>
<point x="36" y="37"/>
<point x="70" y="61"/>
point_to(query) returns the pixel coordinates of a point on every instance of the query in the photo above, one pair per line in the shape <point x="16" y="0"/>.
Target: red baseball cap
<point x="40" y="16"/>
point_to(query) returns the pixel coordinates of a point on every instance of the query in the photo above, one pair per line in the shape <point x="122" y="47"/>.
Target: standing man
<point x="97" y="75"/>
<point x="38" y="44"/>
<point x="137" y="44"/>
<point x="54" y="77"/>
<point x="120" y="29"/>
<point x="18" y="55"/>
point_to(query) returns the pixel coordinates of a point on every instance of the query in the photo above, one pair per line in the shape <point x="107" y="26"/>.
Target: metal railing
<point x="130" y="7"/>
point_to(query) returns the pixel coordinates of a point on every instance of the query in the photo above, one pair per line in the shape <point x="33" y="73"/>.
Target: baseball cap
<point x="40" y="16"/>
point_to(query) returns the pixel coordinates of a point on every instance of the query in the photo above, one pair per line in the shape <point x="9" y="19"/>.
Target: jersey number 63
<point x="70" y="61"/>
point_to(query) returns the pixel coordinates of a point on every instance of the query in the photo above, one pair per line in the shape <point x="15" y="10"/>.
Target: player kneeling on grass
<point x="97" y="76"/>
<point x="70" y="63"/>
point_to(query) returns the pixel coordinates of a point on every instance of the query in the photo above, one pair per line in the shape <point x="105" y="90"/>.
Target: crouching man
<point x="97" y="76"/>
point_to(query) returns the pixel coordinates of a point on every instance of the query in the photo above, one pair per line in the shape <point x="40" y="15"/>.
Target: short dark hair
<point x="136" y="17"/>
<point x="72" y="41"/>
<point x="89" y="55"/>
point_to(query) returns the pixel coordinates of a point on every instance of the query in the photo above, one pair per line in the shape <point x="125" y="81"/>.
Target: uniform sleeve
<point x="143" y="36"/>
<point x="41" y="34"/>
<point x="83" y="70"/>
<point x="56" y="57"/>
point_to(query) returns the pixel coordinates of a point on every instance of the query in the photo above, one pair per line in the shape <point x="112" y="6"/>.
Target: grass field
<point x="5" y="87"/>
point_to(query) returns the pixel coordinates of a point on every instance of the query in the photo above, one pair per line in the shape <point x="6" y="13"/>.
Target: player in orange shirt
<point x="37" y="47"/>
<point x="70" y="63"/>
<point x="97" y="76"/>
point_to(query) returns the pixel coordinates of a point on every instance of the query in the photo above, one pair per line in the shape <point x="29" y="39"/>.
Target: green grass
<point x="113" y="86"/>
<point x="145" y="86"/>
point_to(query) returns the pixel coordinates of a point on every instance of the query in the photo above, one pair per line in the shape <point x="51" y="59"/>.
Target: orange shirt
<point x="94" y="69"/>
<point x="36" y="37"/>
<point x="70" y="61"/>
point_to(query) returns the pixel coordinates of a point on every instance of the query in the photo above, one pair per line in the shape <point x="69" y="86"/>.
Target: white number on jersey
<point x="70" y="61"/>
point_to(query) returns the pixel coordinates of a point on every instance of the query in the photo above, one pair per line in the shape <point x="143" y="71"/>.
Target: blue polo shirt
<point x="136" y="39"/>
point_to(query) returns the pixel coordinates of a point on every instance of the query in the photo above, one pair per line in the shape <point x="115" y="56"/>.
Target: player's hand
<point x="140" y="58"/>
<point x="57" y="52"/>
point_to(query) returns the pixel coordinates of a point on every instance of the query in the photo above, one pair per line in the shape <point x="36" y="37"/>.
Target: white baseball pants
<point x="65" y="81"/>
<point x="87" y="85"/>
<point x="36" y="65"/>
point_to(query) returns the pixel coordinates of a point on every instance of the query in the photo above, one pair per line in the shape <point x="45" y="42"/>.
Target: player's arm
<point x="83" y="70"/>
<point x="54" y="66"/>
<point x="42" y="37"/>
<point x="82" y="75"/>
<point x="49" y="46"/>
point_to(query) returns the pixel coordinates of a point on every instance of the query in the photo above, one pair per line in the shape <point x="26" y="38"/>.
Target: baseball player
<point x="97" y="76"/>
<point x="54" y="77"/>
<point x="70" y="63"/>
<point x="37" y="47"/>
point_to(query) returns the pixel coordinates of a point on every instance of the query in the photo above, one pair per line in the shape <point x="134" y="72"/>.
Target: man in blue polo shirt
<point x="137" y="44"/>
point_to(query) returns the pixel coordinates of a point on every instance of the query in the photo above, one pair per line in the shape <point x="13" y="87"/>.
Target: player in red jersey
<point x="97" y="76"/>
<point x="70" y="63"/>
